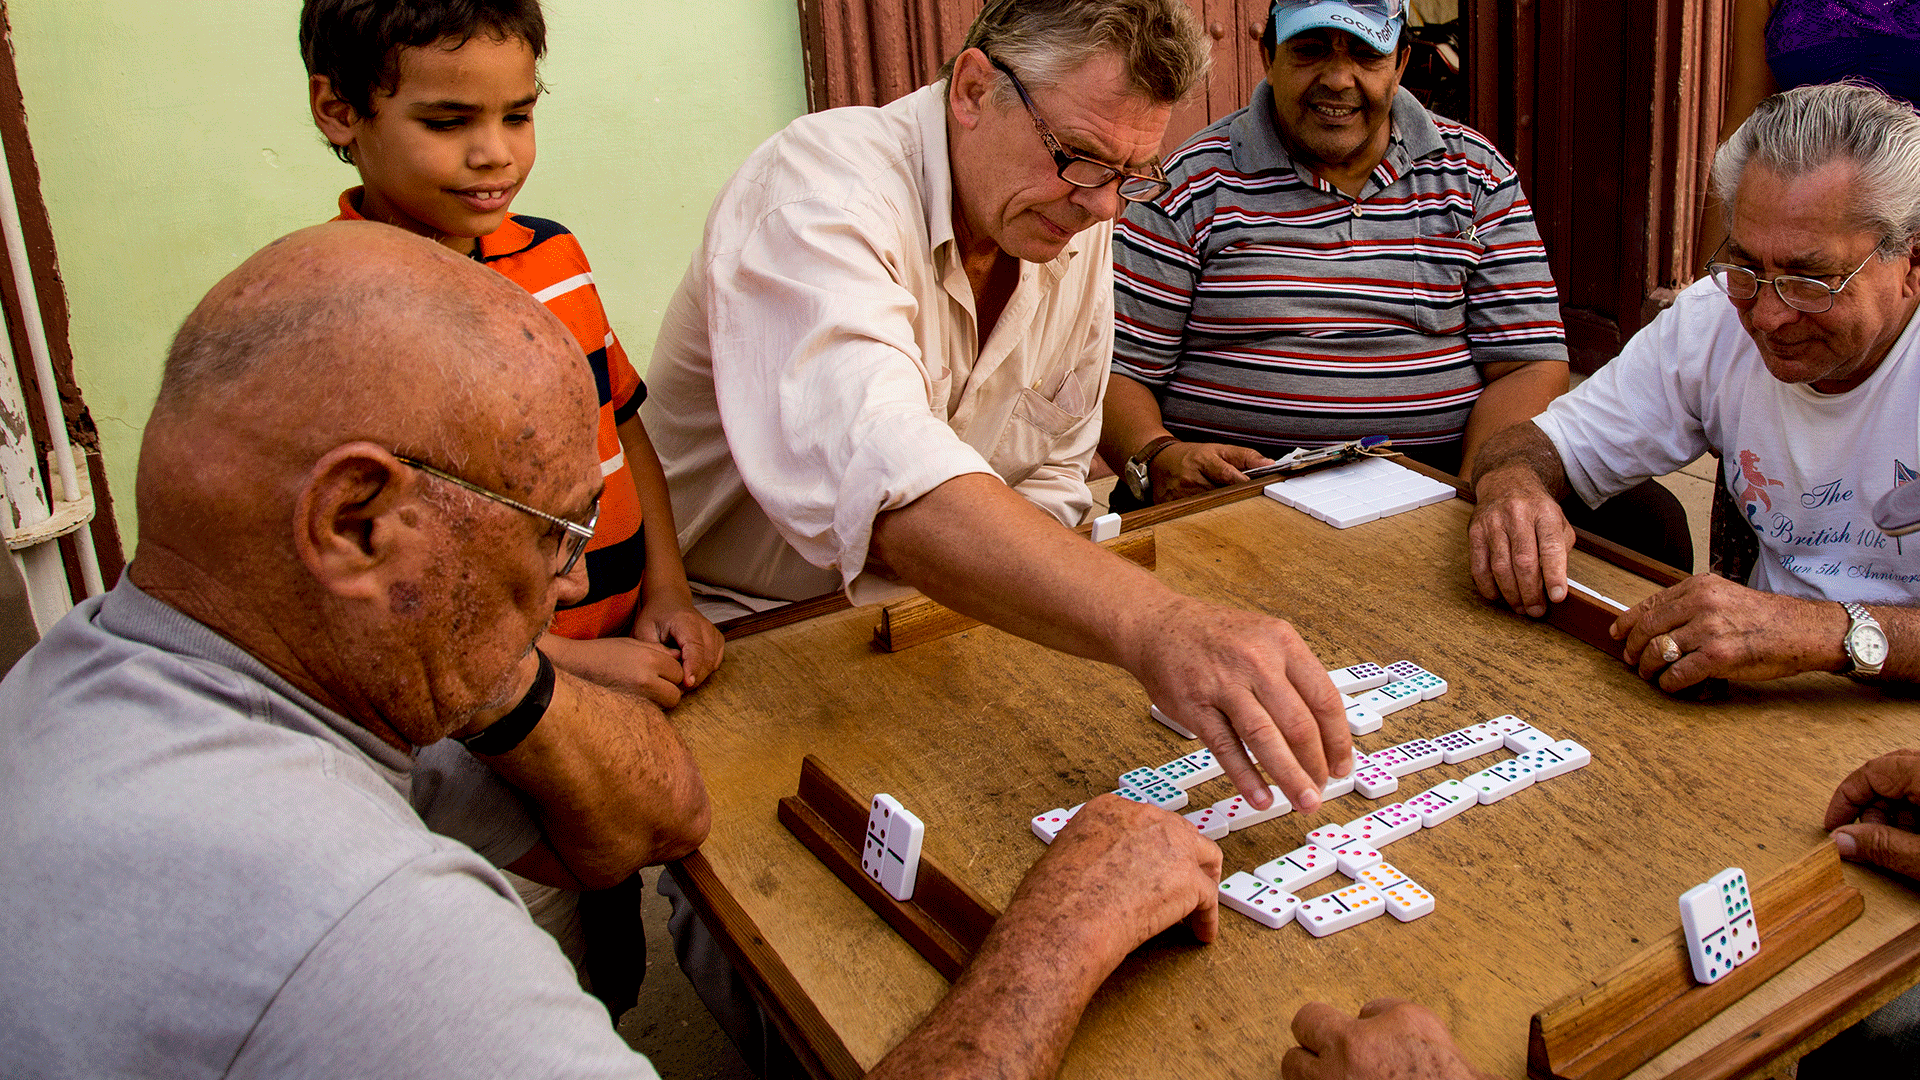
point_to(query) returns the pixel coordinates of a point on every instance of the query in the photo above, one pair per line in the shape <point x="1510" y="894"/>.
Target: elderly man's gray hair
<point x="1801" y="130"/>
<point x="1160" y="43"/>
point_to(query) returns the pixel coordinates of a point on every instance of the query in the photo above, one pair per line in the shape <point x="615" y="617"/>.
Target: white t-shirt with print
<point x="1805" y="467"/>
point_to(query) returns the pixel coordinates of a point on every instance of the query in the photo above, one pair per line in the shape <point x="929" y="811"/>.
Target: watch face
<point x="1868" y="644"/>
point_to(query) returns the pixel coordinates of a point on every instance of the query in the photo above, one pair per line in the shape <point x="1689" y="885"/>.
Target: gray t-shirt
<point x="208" y="874"/>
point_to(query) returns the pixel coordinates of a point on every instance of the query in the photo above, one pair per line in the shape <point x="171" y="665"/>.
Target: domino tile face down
<point x="892" y="852"/>
<point x="1394" y="821"/>
<point x="1443" y="802"/>
<point x="1382" y="877"/>
<point x="1374" y="781"/>
<point x="1469" y="742"/>
<point x="1407" y="901"/>
<point x="1412" y="756"/>
<point x="1048" y="825"/>
<point x="1362" y="720"/>
<point x="1241" y="813"/>
<point x="1211" y="821"/>
<point x="1340" y="909"/>
<point x="1105" y="527"/>
<point x="1258" y="900"/>
<point x="1355" y="856"/>
<point x="1357" y="678"/>
<point x="1556" y="759"/>
<point x="1499" y="781"/>
<point x="1717" y="916"/>
<point x="1298" y="868"/>
<point x="1154" y="711"/>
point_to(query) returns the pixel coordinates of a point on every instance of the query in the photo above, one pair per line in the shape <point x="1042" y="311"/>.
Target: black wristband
<point x="511" y="730"/>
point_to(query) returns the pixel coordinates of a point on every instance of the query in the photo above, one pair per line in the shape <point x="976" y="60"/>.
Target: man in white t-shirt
<point x="1795" y="363"/>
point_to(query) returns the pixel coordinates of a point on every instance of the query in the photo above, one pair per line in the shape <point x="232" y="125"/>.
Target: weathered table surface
<point x="1537" y="894"/>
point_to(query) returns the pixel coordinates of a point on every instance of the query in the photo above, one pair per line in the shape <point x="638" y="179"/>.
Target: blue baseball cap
<point x="1376" y="22"/>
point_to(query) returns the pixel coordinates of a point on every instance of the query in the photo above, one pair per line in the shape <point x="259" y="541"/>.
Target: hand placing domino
<point x="892" y="853"/>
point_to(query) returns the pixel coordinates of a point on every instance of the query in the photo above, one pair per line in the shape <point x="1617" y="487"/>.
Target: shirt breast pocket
<point x="1027" y="440"/>
<point x="1444" y="259"/>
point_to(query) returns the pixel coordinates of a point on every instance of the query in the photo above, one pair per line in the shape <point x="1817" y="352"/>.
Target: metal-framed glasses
<point x="576" y="534"/>
<point x="1810" y="295"/>
<point x="1082" y="171"/>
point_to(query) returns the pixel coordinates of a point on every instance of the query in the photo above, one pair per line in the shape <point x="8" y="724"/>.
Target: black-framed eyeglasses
<point x="1082" y="171"/>
<point x="577" y="534"/>
<point x="1810" y="295"/>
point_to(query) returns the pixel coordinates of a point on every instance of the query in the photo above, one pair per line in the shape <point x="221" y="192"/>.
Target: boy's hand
<point x="624" y="663"/>
<point x="686" y="633"/>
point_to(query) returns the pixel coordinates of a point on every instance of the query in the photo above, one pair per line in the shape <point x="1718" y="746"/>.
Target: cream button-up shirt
<point x="821" y="362"/>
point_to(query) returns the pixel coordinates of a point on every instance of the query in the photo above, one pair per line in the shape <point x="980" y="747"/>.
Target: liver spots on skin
<point x="405" y="598"/>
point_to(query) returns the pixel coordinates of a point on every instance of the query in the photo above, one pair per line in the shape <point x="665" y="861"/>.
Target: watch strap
<point x="1857" y="617"/>
<point x="511" y="730"/>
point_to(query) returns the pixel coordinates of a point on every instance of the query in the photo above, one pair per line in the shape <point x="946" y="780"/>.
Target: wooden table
<point x="1537" y="894"/>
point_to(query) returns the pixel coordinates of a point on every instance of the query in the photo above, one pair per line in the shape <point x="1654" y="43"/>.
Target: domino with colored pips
<point x="1412" y="756"/>
<point x="1717" y="916"/>
<point x="891" y="855"/>
<point x="1358" y="678"/>
<point x="1443" y="802"/>
<point x="1556" y="759"/>
<point x="1392" y="822"/>
<point x="1241" y="813"/>
<point x="1048" y="825"/>
<point x="1362" y="720"/>
<point x="1469" y="742"/>
<point x="1192" y="770"/>
<point x="1258" y="900"/>
<point x="1407" y="901"/>
<point x="1340" y="909"/>
<point x="1211" y="821"/>
<point x="1298" y="868"/>
<point x="1383" y="876"/>
<point x="1496" y="782"/>
<point x="1355" y="856"/>
<point x="1374" y="781"/>
<point x="1330" y="837"/>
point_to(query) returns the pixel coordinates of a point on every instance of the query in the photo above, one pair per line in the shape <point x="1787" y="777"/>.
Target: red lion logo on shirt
<point x="1757" y="482"/>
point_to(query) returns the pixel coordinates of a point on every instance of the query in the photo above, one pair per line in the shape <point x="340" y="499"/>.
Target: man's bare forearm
<point x="1520" y="446"/>
<point x="612" y="783"/>
<point x="1129" y="420"/>
<point x="1513" y="393"/>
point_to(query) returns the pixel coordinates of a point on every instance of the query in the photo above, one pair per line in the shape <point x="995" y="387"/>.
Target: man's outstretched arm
<point x="976" y="546"/>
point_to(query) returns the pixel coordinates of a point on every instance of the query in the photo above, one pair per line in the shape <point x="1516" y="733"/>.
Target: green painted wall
<point x="173" y="141"/>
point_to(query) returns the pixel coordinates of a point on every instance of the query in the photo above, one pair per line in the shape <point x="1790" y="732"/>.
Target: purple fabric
<point x="1819" y="41"/>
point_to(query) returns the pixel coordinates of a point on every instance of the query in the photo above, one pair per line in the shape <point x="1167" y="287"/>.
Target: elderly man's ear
<point x="358" y="522"/>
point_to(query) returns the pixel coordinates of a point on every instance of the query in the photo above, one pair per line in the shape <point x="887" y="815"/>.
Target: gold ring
<point x="1669" y="648"/>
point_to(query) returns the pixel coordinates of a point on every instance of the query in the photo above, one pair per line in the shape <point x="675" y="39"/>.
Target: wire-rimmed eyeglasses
<point x="577" y="534"/>
<point x="1082" y="171"/>
<point x="1810" y="295"/>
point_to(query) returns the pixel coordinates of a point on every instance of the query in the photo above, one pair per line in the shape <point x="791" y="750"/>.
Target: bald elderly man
<point x="235" y="835"/>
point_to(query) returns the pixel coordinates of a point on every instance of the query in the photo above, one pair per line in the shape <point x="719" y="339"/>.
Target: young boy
<point x="432" y="101"/>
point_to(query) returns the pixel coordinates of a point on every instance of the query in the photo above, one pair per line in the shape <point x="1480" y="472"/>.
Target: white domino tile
<point x="1211" y="821"/>
<point x="1242" y="814"/>
<point x="1105" y="527"/>
<point x="1192" y="770"/>
<point x="1154" y="711"/>
<point x="1389" y="699"/>
<point x="1298" y="868"/>
<point x="1407" y="901"/>
<point x="1152" y="789"/>
<point x="1717" y="916"/>
<point x="1330" y="837"/>
<point x="1258" y="900"/>
<point x="1412" y="756"/>
<point x="1340" y="909"/>
<point x="1373" y="781"/>
<point x="891" y="855"/>
<point x="1355" y="856"/>
<point x="1469" y="742"/>
<point x="1496" y="782"/>
<point x="1362" y="720"/>
<point x="1357" y="678"/>
<point x="1556" y="759"/>
<point x="1337" y="786"/>
<point x="1395" y="821"/>
<point x="1525" y="738"/>
<point x="1406" y="671"/>
<point x="1507" y="722"/>
<point x="1443" y="802"/>
<point x="1382" y="876"/>
<point x="1048" y="825"/>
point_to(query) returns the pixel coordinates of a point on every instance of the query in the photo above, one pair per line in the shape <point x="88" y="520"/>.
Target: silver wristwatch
<point x="1865" y="643"/>
<point x="1135" y="474"/>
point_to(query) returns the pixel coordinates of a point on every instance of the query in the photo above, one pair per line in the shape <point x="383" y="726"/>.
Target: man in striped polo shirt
<point x="1332" y="262"/>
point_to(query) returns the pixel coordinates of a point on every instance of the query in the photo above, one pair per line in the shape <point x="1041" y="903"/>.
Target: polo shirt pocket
<point x="1444" y="260"/>
<point x="1026" y="442"/>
